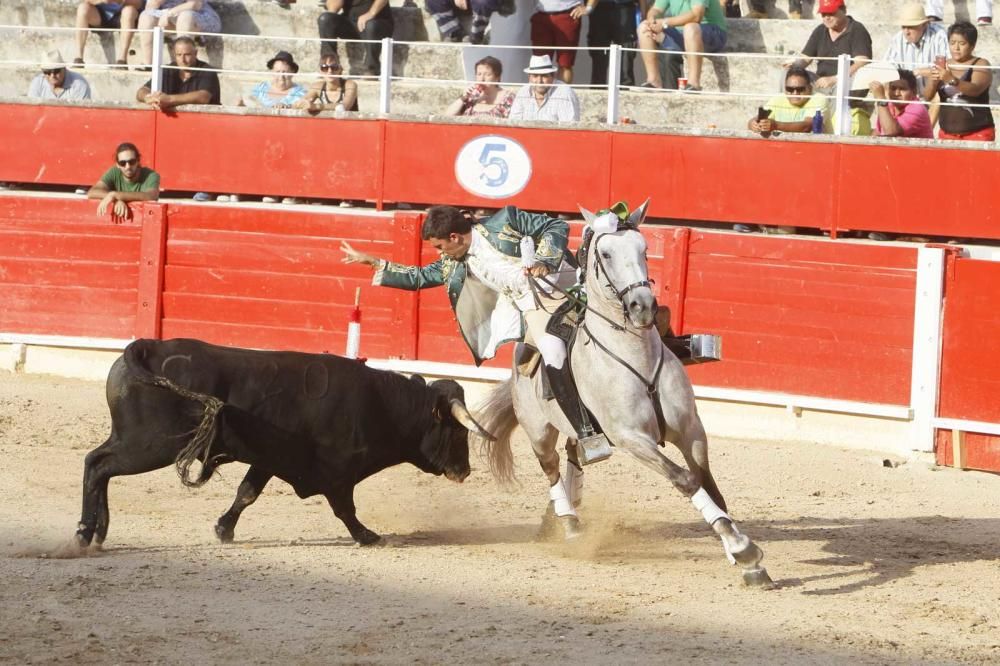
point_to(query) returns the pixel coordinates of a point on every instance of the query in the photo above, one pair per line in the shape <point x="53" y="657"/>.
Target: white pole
<point x="925" y="366"/>
<point x="385" y="76"/>
<point x="614" y="81"/>
<point x="157" y="78"/>
<point x="843" y="125"/>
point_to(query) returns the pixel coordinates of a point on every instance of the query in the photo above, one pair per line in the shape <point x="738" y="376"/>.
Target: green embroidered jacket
<point x="504" y="231"/>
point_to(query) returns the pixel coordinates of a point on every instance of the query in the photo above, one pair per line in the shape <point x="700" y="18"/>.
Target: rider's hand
<point x="538" y="270"/>
<point x="352" y="256"/>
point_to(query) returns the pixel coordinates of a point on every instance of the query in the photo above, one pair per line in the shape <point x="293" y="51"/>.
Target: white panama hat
<point x="540" y="64"/>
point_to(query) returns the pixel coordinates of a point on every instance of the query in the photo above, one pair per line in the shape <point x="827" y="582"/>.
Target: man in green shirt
<point x="694" y="26"/>
<point x="127" y="180"/>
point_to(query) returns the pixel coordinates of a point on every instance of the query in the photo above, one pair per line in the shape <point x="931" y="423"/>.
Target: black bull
<point x="321" y="423"/>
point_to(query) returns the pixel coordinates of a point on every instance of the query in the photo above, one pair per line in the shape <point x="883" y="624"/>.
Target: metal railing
<point x="841" y="97"/>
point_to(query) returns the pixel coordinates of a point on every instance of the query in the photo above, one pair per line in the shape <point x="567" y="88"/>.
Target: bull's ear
<point x="637" y="216"/>
<point x="588" y="217"/>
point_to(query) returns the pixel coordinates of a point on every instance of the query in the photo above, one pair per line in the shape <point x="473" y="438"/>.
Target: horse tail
<point x="496" y="415"/>
<point x="202" y="437"/>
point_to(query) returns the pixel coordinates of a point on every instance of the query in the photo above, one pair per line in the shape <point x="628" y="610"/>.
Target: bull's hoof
<point x="757" y="577"/>
<point x="225" y="535"/>
<point x="367" y="538"/>
<point x="82" y="540"/>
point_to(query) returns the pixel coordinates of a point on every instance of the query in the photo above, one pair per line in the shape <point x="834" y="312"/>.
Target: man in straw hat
<point x="57" y="82"/>
<point x="544" y="98"/>
<point x="918" y="42"/>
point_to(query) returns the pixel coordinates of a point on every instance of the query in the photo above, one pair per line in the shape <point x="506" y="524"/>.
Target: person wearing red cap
<point x="839" y="34"/>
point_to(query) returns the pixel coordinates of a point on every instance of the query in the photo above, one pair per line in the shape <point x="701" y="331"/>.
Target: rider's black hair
<point x="442" y="221"/>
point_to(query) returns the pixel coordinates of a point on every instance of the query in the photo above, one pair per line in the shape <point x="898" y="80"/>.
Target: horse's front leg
<point x="740" y="549"/>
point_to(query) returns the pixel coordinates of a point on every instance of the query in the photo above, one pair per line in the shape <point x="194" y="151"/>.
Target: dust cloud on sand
<point x="876" y="565"/>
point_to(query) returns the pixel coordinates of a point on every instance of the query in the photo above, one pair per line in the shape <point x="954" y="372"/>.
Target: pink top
<point x="913" y="119"/>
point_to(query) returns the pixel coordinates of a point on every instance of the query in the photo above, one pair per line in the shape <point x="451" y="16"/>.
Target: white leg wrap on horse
<point x="573" y="478"/>
<point x="560" y="500"/>
<point x="552" y="349"/>
<point x="709" y="509"/>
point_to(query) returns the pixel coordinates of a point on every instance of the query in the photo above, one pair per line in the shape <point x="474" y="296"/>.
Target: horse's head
<point x="616" y="269"/>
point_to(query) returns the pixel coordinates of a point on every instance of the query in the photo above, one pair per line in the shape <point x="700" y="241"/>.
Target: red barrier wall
<point x="810" y="183"/>
<point x="970" y="357"/>
<point x="63" y="271"/>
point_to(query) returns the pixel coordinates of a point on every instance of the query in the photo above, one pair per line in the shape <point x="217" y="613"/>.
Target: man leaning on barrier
<point x="126" y="181"/>
<point x="184" y="83"/>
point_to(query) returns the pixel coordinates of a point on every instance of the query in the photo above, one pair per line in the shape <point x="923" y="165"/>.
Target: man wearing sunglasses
<point x="56" y="82"/>
<point x="127" y="180"/>
<point x="792" y="112"/>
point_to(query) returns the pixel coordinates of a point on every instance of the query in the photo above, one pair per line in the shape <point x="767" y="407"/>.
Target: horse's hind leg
<point x="250" y="488"/>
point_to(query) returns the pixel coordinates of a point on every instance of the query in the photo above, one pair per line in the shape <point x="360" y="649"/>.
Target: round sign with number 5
<point x="493" y="166"/>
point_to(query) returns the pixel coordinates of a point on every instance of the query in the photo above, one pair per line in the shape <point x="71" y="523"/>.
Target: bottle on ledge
<point x="817" y="126"/>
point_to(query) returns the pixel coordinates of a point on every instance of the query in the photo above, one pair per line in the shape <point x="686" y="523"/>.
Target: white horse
<point x="634" y="386"/>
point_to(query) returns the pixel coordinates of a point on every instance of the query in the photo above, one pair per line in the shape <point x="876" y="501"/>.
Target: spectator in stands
<point x="179" y="15"/>
<point x="331" y="92"/>
<point x="794" y="111"/>
<point x="281" y="92"/>
<point x="838" y="34"/>
<point x="959" y="85"/>
<point x="984" y="11"/>
<point x="612" y="22"/>
<point x="189" y="84"/>
<point x="681" y="25"/>
<point x="557" y="23"/>
<point x="918" y="43"/>
<point x="544" y="98"/>
<point x="758" y="9"/>
<point x="127" y="180"/>
<point x="110" y="15"/>
<point x="486" y="97"/>
<point x="446" y="16"/>
<point x="905" y="115"/>
<point x="56" y="82"/>
<point x="357" y="19"/>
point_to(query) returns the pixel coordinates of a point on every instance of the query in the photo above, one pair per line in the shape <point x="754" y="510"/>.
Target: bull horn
<point x="462" y="415"/>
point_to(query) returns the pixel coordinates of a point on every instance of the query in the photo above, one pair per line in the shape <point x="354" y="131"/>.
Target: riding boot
<point x="593" y="445"/>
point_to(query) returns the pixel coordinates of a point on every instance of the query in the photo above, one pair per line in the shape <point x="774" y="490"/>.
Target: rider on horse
<point x="487" y="268"/>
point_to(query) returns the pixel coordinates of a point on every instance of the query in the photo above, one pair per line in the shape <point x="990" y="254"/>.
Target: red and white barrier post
<point x="354" y="327"/>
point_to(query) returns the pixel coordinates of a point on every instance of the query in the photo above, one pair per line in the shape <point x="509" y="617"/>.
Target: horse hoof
<point x="757" y="577"/>
<point x="749" y="557"/>
<point x="225" y="536"/>
<point x="573" y="528"/>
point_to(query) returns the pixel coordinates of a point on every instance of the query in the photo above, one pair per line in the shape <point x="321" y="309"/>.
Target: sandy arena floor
<point x="876" y="565"/>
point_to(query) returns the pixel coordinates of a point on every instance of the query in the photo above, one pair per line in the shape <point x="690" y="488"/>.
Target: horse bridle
<point x="620" y="294"/>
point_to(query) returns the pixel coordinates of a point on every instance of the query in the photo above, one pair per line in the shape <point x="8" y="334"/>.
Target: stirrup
<point x="593" y="448"/>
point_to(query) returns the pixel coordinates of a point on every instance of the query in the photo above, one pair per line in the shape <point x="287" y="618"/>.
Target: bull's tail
<point x="199" y="448"/>
<point x="496" y="415"/>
